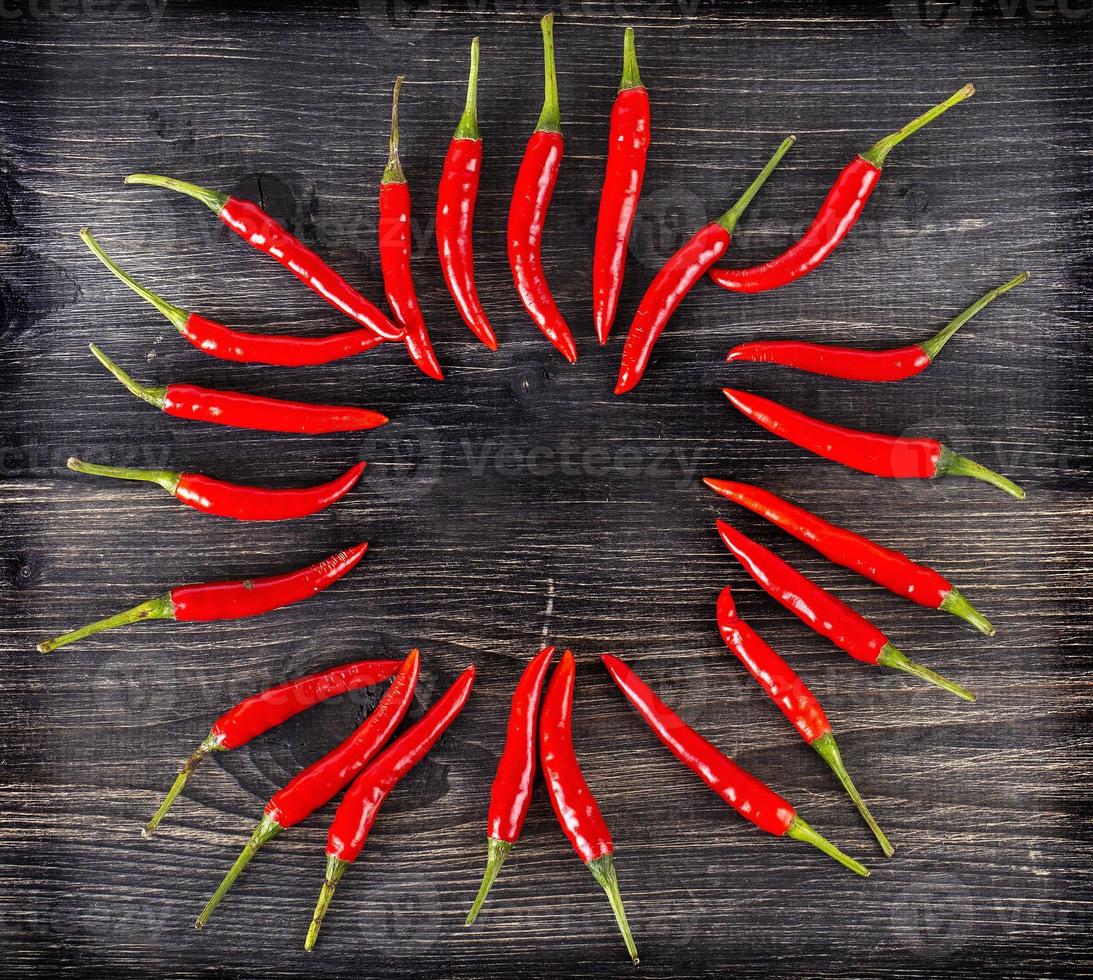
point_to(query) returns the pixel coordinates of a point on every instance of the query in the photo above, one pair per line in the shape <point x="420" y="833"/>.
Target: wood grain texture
<point x="521" y="500"/>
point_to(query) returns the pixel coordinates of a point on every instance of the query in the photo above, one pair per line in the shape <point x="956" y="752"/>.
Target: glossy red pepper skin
<point x="793" y="698"/>
<point x="232" y="408"/>
<point x="574" y="805"/>
<point x="825" y="613"/>
<point x="855" y="364"/>
<point x="510" y="795"/>
<point x="678" y="276"/>
<point x="780" y="682"/>
<point x="753" y="799"/>
<point x="455" y="201"/>
<point x="241" y="503"/>
<point x="528" y="210"/>
<point x="222" y="342"/>
<point x="394" y="243"/>
<point x="675" y="280"/>
<point x="850" y="363"/>
<point x="837" y="215"/>
<point x="868" y="452"/>
<point x="319" y="783"/>
<point x="527" y="216"/>
<point x="233" y="599"/>
<point x="260" y="712"/>
<point x="628" y="147"/>
<point x="258" y="229"/>
<point x="362" y="801"/>
<point x="237" y="599"/>
<point x="891" y="569"/>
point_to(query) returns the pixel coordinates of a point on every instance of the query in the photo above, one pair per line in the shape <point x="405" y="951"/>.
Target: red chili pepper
<point x="361" y="804"/>
<point x="891" y="569"/>
<point x="678" y="276"/>
<point x="213" y="496"/>
<point x="855" y="364"/>
<point x="527" y="213"/>
<point x="455" y="202"/>
<point x="825" y="613"/>
<point x="220" y="341"/>
<point x="837" y="215"/>
<point x="793" y="699"/>
<point x="511" y="793"/>
<point x="233" y="599"/>
<point x="750" y="797"/>
<point x="320" y="782"/>
<point x="868" y="452"/>
<point x="627" y="148"/>
<point x="187" y="401"/>
<point x="257" y="228"/>
<point x="573" y="802"/>
<point x="394" y="234"/>
<point x="260" y="712"/>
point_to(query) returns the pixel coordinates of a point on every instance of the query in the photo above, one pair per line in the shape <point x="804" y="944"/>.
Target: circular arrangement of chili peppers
<point x="543" y="733"/>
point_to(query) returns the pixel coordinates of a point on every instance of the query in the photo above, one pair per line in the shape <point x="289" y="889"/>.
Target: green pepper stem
<point x="631" y="77"/>
<point x="891" y="657"/>
<point x="267" y="829"/>
<point x="550" y="119"/>
<point x="335" y="868"/>
<point x="956" y="604"/>
<point x="468" y="122"/>
<point x="799" y="830"/>
<point x="161" y="607"/>
<point x="393" y="173"/>
<point x="211" y="744"/>
<point x="175" y="314"/>
<point x="153" y="395"/>
<point x="165" y="478"/>
<point x="213" y="200"/>
<point x="879" y="151"/>
<point x="953" y="464"/>
<point x="497" y="851"/>
<point x="729" y="219"/>
<point x="603" y="870"/>
<point x="941" y="338"/>
<point x="829" y="752"/>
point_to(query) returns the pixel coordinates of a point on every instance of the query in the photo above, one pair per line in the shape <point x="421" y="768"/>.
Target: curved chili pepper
<point x="320" y="782"/>
<point x="837" y="215"/>
<point x="825" y="613"/>
<point x="213" y="496"/>
<point x="855" y="364"/>
<point x="627" y="148"/>
<point x="573" y="802"/>
<point x="233" y="408"/>
<point x="527" y="213"/>
<point x="362" y="801"/>
<point x="891" y="569"/>
<point x="220" y="341"/>
<point x="678" y="276"/>
<point x="793" y="699"/>
<point x="394" y="234"/>
<point x="511" y="793"/>
<point x="260" y="712"/>
<point x="233" y="599"/>
<point x="258" y="229"/>
<point x="868" y="452"/>
<point x="455" y="200"/>
<point x="751" y="798"/>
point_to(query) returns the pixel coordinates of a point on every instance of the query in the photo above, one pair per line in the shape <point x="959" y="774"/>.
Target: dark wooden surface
<point x="601" y="540"/>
